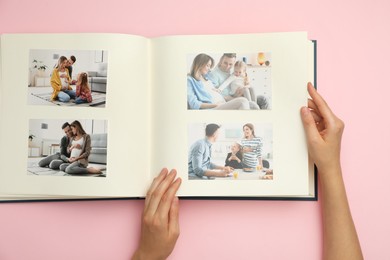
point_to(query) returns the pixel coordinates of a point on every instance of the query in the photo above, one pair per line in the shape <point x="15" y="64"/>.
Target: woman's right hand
<point x="323" y="131"/>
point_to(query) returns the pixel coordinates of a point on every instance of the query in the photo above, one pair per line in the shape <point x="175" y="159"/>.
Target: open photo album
<point x="97" y="116"/>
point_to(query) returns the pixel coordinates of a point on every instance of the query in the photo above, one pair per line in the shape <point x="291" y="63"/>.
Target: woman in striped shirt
<point x="251" y="148"/>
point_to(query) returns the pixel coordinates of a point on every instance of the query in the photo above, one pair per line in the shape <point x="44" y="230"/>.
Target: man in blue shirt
<point x="199" y="157"/>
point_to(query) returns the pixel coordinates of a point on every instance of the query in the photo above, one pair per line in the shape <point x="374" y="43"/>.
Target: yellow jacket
<point x="55" y="83"/>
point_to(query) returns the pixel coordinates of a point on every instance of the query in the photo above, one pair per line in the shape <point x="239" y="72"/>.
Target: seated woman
<point x="60" y="82"/>
<point x="234" y="158"/>
<point x="79" y="149"/>
<point x="201" y="93"/>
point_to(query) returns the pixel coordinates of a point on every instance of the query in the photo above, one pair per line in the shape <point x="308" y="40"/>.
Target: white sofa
<point x="98" y="149"/>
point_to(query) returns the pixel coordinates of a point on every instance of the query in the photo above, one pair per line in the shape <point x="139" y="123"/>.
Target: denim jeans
<point x="80" y="100"/>
<point x="66" y="95"/>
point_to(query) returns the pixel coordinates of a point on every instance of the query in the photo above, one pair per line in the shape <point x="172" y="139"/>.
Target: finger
<point x="321" y="104"/>
<point x="173" y="225"/>
<point x="166" y="202"/>
<point x="317" y="118"/>
<point x="312" y="105"/>
<point x="159" y="192"/>
<point x="156" y="181"/>
<point x="309" y="124"/>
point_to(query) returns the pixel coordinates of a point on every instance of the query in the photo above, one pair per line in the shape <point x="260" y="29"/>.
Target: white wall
<point x="85" y="60"/>
<point x="54" y="131"/>
<point x="230" y="133"/>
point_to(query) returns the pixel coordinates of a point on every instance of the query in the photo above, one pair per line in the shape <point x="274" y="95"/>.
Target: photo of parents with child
<point x="236" y="82"/>
<point x="230" y="151"/>
<point x="62" y="148"/>
<point x="68" y="78"/>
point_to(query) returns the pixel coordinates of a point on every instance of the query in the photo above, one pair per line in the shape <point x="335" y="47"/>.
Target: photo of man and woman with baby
<point x="229" y="81"/>
<point x="67" y="78"/>
<point x="67" y="148"/>
<point x="230" y="151"/>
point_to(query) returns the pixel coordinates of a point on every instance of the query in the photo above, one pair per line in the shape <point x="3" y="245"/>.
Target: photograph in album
<point x="67" y="147"/>
<point x="230" y="151"/>
<point x="229" y="81"/>
<point x="75" y="78"/>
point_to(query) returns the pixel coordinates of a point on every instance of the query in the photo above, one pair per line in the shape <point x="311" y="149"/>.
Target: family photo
<point x="67" y="147"/>
<point x="229" y="81"/>
<point x="67" y="78"/>
<point x="239" y="151"/>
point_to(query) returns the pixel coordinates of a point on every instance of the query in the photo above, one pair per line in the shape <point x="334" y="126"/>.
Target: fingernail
<point x="305" y="111"/>
<point x="164" y="171"/>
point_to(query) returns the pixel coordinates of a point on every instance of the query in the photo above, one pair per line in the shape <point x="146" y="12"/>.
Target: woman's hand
<point x="247" y="149"/>
<point x="160" y="219"/>
<point x="323" y="131"/>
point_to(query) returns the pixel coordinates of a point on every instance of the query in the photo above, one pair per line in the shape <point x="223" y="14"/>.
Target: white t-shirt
<point x="75" y="151"/>
<point x="64" y="81"/>
<point x="217" y="97"/>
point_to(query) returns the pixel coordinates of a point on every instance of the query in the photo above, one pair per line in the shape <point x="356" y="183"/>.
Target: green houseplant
<point x="40" y="66"/>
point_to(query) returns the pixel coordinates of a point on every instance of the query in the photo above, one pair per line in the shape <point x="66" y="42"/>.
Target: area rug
<point x="98" y="99"/>
<point x="33" y="168"/>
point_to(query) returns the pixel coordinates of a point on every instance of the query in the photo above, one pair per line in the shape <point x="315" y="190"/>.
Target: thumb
<point x="309" y="124"/>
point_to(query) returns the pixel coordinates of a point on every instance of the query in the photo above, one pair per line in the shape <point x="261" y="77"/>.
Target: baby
<point x="234" y="158"/>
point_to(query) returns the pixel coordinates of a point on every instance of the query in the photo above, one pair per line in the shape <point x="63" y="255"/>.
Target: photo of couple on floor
<point x="79" y="150"/>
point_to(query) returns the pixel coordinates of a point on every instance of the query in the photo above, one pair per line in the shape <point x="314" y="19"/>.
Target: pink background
<point x="353" y="69"/>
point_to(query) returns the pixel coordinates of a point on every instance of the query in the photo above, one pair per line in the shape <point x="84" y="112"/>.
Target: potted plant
<point x="40" y="66"/>
<point x="30" y="138"/>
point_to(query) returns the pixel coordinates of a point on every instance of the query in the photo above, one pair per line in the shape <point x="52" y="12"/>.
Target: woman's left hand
<point x="160" y="219"/>
<point x="247" y="149"/>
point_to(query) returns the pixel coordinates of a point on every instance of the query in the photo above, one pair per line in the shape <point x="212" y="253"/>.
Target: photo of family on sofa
<point x="68" y="78"/>
<point x="78" y="152"/>
<point x="236" y="82"/>
<point x="230" y="151"/>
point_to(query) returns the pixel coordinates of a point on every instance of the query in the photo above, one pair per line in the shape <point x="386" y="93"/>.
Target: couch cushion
<point x="92" y="73"/>
<point x="102" y="72"/>
<point x="99" y="140"/>
<point x="98" y="150"/>
<point x="99" y="80"/>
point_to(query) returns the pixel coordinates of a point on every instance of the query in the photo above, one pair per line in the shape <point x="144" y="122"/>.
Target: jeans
<point x="53" y="161"/>
<point x="73" y="168"/>
<point x="66" y="95"/>
<point x="80" y="100"/>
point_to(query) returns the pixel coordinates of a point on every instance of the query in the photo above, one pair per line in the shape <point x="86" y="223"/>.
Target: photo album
<point x="97" y="116"/>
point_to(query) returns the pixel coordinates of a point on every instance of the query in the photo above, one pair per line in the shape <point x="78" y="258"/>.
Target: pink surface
<point x="353" y="61"/>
